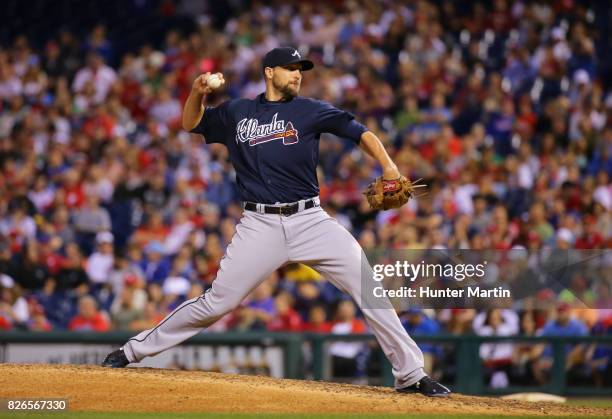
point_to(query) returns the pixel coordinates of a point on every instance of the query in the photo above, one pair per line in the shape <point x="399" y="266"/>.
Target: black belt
<point x="285" y="210"/>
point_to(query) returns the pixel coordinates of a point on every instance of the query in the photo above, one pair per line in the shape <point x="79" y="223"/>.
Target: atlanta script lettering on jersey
<point x="255" y="133"/>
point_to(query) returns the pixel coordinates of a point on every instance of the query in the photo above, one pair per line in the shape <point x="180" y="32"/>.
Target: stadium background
<point x="110" y="214"/>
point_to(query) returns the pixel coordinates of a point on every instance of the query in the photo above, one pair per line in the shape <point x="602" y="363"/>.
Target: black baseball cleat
<point x="115" y="359"/>
<point x="428" y="387"/>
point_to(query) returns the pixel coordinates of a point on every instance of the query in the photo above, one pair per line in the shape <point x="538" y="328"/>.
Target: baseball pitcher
<point x="273" y="143"/>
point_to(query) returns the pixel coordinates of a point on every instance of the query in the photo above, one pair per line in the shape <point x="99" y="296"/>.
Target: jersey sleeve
<point x="214" y="124"/>
<point x="338" y="122"/>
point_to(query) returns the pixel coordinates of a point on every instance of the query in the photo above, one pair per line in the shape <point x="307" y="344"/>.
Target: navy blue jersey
<point x="274" y="146"/>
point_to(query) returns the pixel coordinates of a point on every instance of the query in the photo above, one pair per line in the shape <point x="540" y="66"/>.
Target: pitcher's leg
<point x="333" y="251"/>
<point x="256" y="250"/>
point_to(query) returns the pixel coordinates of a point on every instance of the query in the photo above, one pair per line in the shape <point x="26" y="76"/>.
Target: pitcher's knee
<point x="218" y="307"/>
<point x="220" y="311"/>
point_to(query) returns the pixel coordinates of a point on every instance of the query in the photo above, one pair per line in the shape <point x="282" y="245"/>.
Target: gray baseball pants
<point x="264" y="242"/>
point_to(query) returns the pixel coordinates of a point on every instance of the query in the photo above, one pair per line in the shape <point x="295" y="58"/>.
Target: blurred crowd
<point x="111" y="214"/>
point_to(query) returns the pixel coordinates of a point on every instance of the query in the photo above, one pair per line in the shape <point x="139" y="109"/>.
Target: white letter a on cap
<point x="296" y="53"/>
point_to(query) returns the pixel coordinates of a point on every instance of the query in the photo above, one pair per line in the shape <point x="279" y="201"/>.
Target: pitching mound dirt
<point x="149" y="390"/>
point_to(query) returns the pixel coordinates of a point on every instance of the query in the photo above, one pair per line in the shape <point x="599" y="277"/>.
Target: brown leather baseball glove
<point x="384" y="194"/>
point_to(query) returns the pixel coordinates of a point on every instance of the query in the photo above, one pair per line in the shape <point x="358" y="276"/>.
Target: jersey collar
<point x="262" y="99"/>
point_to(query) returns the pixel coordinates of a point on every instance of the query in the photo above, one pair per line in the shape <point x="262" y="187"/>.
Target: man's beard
<point x="287" y="91"/>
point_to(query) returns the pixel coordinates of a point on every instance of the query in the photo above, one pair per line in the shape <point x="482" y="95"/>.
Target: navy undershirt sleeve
<point x="338" y="122"/>
<point x="214" y="123"/>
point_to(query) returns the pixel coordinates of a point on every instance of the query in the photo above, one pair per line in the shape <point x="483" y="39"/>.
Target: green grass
<point x="91" y="415"/>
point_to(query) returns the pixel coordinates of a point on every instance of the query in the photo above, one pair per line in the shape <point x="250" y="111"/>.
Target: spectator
<point x="307" y="295"/>
<point x="19" y="225"/>
<point x="72" y="275"/>
<point x="525" y="355"/>
<point x="6" y="318"/>
<point x="88" y="317"/>
<point x="59" y="306"/>
<point x="457" y="321"/>
<point x="150" y="317"/>
<point x="179" y="232"/>
<point x="29" y="270"/>
<point x="563" y="325"/>
<point x="597" y="357"/>
<point x="220" y="189"/>
<point x="166" y="109"/>
<point x="286" y="318"/>
<point x="155" y="193"/>
<point x="125" y="310"/>
<point x="42" y="195"/>
<point x="155" y="265"/>
<point x="416" y="322"/>
<point x="578" y="291"/>
<point x="38" y="321"/>
<point x="100" y="263"/>
<point x="176" y="286"/>
<point x="98" y="43"/>
<point x="99" y="185"/>
<point x="153" y="231"/>
<point x="13" y="307"/>
<point x="90" y="220"/>
<point x="539" y="224"/>
<point x="72" y="189"/>
<point x="497" y="357"/>
<point x="348" y="358"/>
<point x="317" y="320"/>
<point x="101" y="76"/>
<point x="61" y="225"/>
<point x="260" y="308"/>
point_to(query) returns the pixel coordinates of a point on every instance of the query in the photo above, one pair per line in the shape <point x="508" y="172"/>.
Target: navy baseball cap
<point x="285" y="56"/>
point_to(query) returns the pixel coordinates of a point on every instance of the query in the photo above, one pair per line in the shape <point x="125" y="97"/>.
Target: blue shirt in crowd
<point x="427" y="326"/>
<point x="572" y="328"/>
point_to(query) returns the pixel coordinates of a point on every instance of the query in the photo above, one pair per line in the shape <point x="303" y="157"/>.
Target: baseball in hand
<point x="214" y="82"/>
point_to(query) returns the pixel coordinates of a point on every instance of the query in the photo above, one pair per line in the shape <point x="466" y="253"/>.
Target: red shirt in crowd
<point x="357" y="326"/>
<point x="74" y="196"/>
<point x="5" y="324"/>
<point x="324" y="327"/>
<point x="96" y="323"/>
<point x="290" y="321"/>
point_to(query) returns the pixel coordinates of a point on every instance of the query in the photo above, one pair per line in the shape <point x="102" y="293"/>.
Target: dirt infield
<point x="96" y="389"/>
